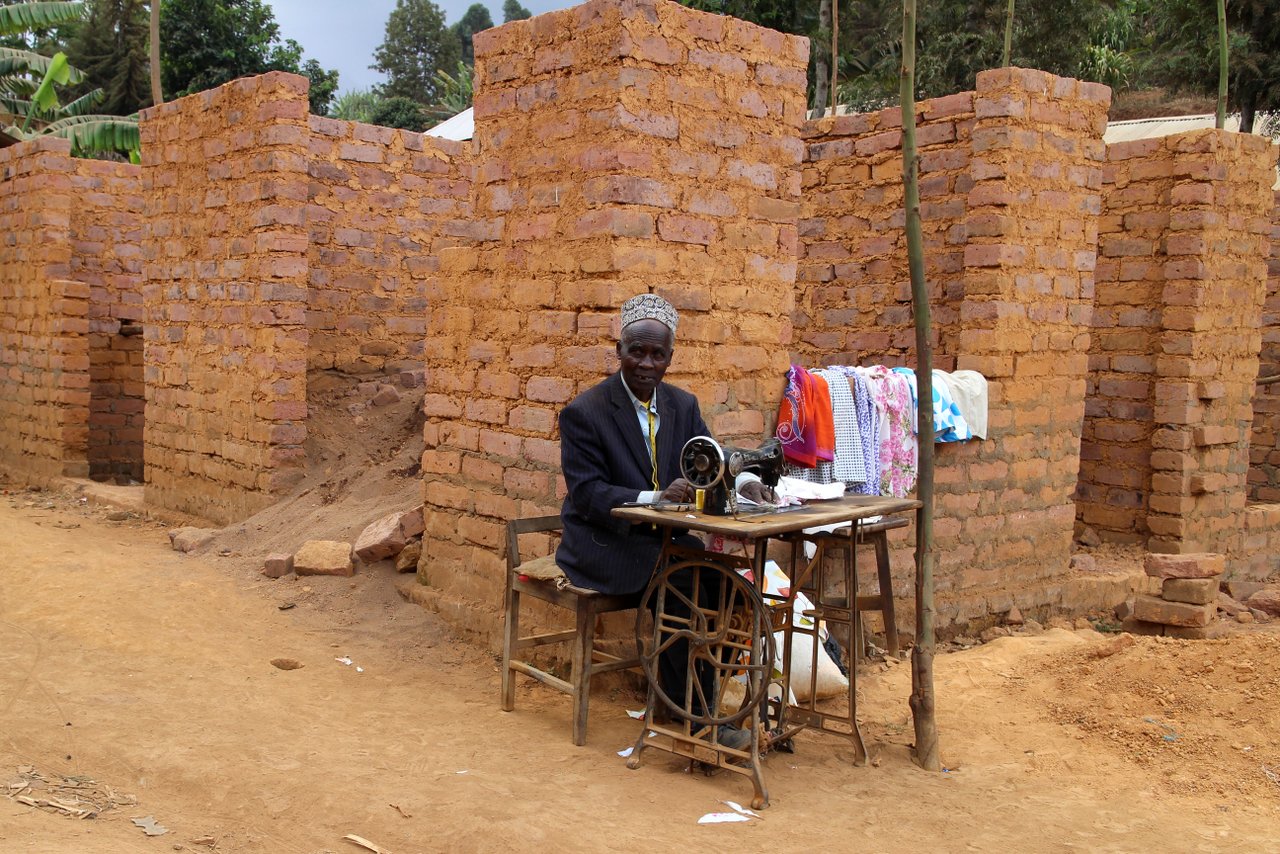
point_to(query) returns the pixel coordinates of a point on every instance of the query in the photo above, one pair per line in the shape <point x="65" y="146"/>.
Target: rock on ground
<point x="1266" y="600"/>
<point x="277" y="565"/>
<point x="408" y="559"/>
<point x="323" y="557"/>
<point x="189" y="539"/>
<point x="380" y="539"/>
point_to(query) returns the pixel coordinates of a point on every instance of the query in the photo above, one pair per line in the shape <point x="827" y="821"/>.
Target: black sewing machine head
<point x="713" y="467"/>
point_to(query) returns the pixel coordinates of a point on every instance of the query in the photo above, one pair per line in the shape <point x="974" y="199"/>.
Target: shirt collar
<point x="640" y="404"/>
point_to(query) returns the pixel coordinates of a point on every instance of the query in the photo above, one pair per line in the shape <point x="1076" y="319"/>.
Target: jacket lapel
<point x="624" y="415"/>
<point x="668" y="454"/>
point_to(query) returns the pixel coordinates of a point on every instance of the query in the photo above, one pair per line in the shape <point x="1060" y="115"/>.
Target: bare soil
<point x="142" y="679"/>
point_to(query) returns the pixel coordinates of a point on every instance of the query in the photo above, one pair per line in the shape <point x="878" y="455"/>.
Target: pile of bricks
<point x="1187" y="604"/>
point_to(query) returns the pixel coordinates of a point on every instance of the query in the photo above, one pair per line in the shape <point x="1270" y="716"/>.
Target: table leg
<point x="855" y="629"/>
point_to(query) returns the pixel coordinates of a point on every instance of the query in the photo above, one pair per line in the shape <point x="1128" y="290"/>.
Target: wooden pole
<point x="157" y="95"/>
<point x="1008" y="36"/>
<point x="835" y="50"/>
<point x="922" y="696"/>
<point x="1221" y="121"/>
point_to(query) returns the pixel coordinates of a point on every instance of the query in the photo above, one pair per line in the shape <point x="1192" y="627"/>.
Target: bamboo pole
<point x="1221" y="120"/>
<point x="922" y="695"/>
<point x="835" y="50"/>
<point x="1008" y="37"/>
<point x="157" y="95"/>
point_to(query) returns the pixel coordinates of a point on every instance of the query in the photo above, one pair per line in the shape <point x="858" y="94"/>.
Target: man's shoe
<point x="734" y="737"/>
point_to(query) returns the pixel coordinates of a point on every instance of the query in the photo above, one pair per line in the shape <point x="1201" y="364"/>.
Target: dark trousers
<point x="673" y="663"/>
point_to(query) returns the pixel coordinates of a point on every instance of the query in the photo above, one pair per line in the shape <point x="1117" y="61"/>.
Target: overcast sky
<point x="343" y="34"/>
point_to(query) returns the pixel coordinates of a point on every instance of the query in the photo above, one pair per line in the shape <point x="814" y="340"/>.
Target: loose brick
<point x="1194" y="591"/>
<point x="1154" y="610"/>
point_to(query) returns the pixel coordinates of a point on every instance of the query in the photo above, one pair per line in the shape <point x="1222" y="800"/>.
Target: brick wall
<point x="1115" y="453"/>
<point x="1175" y="352"/>
<point x="1011" y="178"/>
<point x="853" y="302"/>
<point x="383" y="203"/>
<point x="1264" y="452"/>
<point x="106" y="254"/>
<point x="624" y="147"/>
<point x="225" y="181"/>
<point x="44" y="360"/>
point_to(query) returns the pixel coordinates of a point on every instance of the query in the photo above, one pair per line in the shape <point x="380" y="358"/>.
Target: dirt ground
<point x="140" y="679"/>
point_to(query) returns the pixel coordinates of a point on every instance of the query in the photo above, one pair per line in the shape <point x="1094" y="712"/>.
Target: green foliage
<point x="400" y="112"/>
<point x="205" y="43"/>
<point x="455" y="93"/>
<point x="475" y="19"/>
<point x="1182" y="51"/>
<point x="417" y="45"/>
<point x="355" y="105"/>
<point x="513" y="11"/>
<point x="18" y="18"/>
<point x="111" y="48"/>
<point x="324" y="85"/>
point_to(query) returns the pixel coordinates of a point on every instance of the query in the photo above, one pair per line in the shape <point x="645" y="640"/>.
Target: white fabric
<point x="849" y="465"/>
<point x="969" y="390"/>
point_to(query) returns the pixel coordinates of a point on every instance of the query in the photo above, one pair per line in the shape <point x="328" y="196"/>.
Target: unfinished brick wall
<point x="1011" y="178"/>
<point x="44" y="358"/>
<point x="1115" y="452"/>
<point x="1215" y="281"/>
<point x="623" y="147"/>
<point x="1181" y="288"/>
<point x="853" y="302"/>
<point x="1264" y="452"/>
<point x="106" y="242"/>
<point x="383" y="203"/>
<point x="225" y="180"/>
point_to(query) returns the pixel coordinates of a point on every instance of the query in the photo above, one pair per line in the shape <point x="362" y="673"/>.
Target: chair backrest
<point x="532" y="525"/>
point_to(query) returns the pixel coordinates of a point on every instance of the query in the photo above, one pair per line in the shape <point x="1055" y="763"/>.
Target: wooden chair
<point x="542" y="579"/>
<point x="877" y="534"/>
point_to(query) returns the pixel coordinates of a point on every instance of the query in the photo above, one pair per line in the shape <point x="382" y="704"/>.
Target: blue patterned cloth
<point x="948" y="423"/>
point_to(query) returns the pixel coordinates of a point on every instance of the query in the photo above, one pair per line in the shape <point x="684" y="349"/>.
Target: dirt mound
<point x="1181" y="708"/>
<point x="363" y="462"/>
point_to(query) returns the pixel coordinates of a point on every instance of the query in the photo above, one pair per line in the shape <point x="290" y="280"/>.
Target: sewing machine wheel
<point x="702" y="462"/>
<point x="729" y="636"/>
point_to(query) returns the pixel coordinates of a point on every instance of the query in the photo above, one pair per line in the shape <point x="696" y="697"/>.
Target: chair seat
<point x="542" y="569"/>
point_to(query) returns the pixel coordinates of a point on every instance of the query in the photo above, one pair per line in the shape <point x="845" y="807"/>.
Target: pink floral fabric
<point x="898" y="461"/>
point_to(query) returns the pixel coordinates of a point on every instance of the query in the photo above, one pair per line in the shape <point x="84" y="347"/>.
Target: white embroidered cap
<point x="650" y="307"/>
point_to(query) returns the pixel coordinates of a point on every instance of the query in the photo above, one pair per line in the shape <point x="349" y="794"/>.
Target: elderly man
<point x="620" y="442"/>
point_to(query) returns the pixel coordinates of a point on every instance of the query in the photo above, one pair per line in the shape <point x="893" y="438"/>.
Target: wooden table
<point x="756" y="531"/>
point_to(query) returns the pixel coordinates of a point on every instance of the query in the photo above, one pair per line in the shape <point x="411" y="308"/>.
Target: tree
<point x="922" y="694"/>
<point x="1182" y="40"/>
<point x="29" y="103"/>
<point x="111" y="50"/>
<point x="456" y="91"/>
<point x="475" y="19"/>
<point x="416" y="46"/>
<point x="513" y="11"/>
<point x="205" y="43"/>
<point x="324" y="85"/>
<point x="355" y="105"/>
<point x="400" y="112"/>
<point x="153" y="52"/>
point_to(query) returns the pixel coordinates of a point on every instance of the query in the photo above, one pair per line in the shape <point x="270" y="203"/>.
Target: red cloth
<point x="806" y="425"/>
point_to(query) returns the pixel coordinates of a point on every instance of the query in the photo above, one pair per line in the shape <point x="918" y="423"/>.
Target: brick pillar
<point x="1264" y="455"/>
<point x="623" y="146"/>
<point x="1028" y="290"/>
<point x="44" y="346"/>
<point x="225" y="184"/>
<point x="1215" y="275"/>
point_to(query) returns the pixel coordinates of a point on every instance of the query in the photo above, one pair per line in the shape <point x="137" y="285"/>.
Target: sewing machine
<point x="714" y="468"/>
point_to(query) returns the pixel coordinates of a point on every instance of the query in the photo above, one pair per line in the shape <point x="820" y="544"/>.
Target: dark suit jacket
<point x="606" y="463"/>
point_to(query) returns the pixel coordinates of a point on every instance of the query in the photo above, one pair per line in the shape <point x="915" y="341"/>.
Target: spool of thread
<point x="699" y="499"/>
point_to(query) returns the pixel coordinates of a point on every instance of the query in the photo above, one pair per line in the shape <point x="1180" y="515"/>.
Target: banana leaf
<point x="20" y="17"/>
<point x="16" y="61"/>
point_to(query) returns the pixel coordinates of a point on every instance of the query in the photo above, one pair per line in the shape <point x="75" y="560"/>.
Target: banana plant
<point x="36" y="105"/>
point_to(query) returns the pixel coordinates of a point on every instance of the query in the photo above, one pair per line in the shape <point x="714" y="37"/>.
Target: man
<point x="620" y="442"/>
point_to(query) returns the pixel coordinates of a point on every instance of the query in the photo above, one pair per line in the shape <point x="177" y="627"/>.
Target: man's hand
<point x="679" y="491"/>
<point x="758" y="492"/>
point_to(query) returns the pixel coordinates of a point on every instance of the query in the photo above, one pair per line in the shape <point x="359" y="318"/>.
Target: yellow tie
<point x="653" y="443"/>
